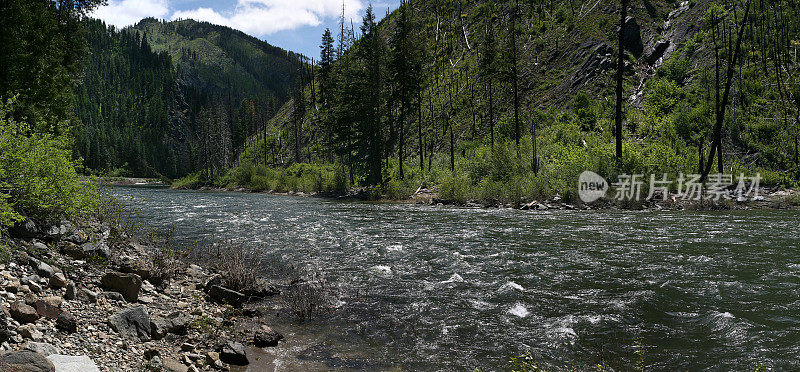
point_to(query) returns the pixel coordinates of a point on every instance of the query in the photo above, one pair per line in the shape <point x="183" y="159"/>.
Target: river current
<point x="446" y="288"/>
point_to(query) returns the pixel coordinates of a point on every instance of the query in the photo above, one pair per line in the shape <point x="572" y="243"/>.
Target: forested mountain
<point x="457" y="90"/>
<point x="168" y="98"/>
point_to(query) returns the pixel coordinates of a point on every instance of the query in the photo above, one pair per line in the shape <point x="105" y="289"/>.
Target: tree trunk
<point x="620" y="72"/>
<point x="720" y="117"/>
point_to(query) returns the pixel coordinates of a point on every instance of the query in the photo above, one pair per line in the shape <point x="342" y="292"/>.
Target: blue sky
<point x="295" y="25"/>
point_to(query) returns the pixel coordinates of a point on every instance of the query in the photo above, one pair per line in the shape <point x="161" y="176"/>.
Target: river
<point x="445" y="288"/>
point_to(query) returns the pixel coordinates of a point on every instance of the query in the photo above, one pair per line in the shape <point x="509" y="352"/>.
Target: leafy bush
<point x="37" y="176"/>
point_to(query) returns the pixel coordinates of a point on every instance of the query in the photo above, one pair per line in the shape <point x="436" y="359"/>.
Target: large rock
<point x="48" y="307"/>
<point x="66" y="363"/>
<point x="134" y="266"/>
<point x="23" y="313"/>
<point x="266" y="337"/>
<point x="262" y="289"/>
<point x="66" y="322"/>
<point x="44" y="270"/>
<point x="233" y="353"/>
<point x="55" y="232"/>
<point x="58" y="280"/>
<point x="25" y="230"/>
<point x="25" y="361"/>
<point x="126" y="284"/>
<point x="226" y="296"/>
<point x="633" y="37"/>
<point x="133" y="322"/>
<point x="86" y="250"/>
<point x="29" y="332"/>
<point x="42" y="348"/>
<point x="172" y="365"/>
<point x="176" y="323"/>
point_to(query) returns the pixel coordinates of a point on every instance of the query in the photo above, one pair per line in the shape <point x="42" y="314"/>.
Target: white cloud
<point x="121" y="13"/>
<point x="264" y="17"/>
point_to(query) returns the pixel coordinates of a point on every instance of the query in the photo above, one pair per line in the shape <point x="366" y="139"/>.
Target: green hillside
<point x="163" y="98"/>
<point x="460" y="130"/>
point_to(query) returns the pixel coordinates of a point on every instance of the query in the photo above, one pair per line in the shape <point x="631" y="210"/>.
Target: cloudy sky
<point x="295" y="25"/>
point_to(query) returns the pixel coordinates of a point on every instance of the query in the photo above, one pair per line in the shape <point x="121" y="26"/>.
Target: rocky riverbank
<point x="75" y="299"/>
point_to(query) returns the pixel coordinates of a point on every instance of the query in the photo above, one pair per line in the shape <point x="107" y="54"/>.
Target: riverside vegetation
<point x="508" y="102"/>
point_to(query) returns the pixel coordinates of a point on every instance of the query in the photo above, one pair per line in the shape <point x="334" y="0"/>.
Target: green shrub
<point x="37" y="175"/>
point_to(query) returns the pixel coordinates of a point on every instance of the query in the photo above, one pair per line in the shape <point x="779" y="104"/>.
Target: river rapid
<point x="446" y="288"/>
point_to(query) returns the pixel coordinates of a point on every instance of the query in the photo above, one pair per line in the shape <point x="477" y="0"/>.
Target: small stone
<point x="58" y="280"/>
<point x="212" y="357"/>
<point x="35" y="287"/>
<point x="226" y="296"/>
<point x="187" y="347"/>
<point x="23" y="313"/>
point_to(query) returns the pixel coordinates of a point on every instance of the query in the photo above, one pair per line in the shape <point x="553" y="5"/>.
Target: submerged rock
<point x="266" y="337"/>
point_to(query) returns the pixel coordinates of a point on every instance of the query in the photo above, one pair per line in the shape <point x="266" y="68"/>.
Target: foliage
<point x="37" y="171"/>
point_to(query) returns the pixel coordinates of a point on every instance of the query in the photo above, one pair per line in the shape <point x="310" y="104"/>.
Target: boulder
<point x="66" y="322"/>
<point x="86" y="250"/>
<point x="58" y="280"/>
<point x="25" y="361"/>
<point x="77" y="237"/>
<point x="266" y="337"/>
<point x="29" y="332"/>
<point x="126" y="284"/>
<point x="633" y="37"/>
<point x="67" y="363"/>
<point x="23" y="313"/>
<point x="233" y="353"/>
<point x="176" y="323"/>
<point x="172" y="365"/>
<point x="133" y="322"/>
<point x="55" y="232"/>
<point x="49" y="307"/>
<point x="25" y="230"/>
<point x="86" y="295"/>
<point x="44" y="270"/>
<point x="261" y="290"/>
<point x="226" y="296"/>
<point x="71" y="293"/>
<point x="42" y="348"/>
<point x="134" y="266"/>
